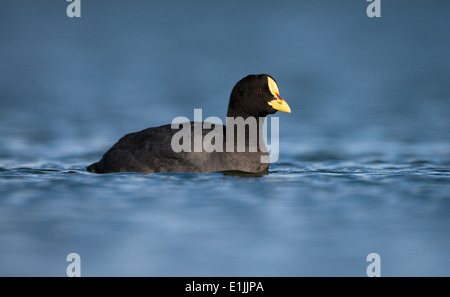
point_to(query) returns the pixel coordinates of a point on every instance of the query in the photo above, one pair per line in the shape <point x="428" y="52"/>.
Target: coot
<point x="152" y="150"/>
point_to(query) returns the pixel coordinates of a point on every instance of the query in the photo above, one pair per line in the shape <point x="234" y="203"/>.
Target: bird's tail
<point x="92" y="168"/>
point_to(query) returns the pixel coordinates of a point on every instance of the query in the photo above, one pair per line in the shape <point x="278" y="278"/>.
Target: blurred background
<point x="364" y="155"/>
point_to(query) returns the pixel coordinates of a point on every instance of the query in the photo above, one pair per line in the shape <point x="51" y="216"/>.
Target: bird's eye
<point x="259" y="91"/>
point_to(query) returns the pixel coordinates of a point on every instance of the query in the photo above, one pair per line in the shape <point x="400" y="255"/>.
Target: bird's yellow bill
<point x="277" y="103"/>
<point x="280" y="104"/>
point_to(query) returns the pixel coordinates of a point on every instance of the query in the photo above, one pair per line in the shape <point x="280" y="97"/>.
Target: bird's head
<point x="256" y="95"/>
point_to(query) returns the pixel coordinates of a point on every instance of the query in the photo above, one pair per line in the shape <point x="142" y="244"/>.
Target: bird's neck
<point x="248" y="129"/>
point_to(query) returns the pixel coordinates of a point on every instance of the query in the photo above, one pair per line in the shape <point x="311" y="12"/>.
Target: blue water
<point x="364" y="156"/>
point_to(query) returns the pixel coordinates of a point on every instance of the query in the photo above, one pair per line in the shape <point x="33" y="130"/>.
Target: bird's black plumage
<point x="150" y="150"/>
